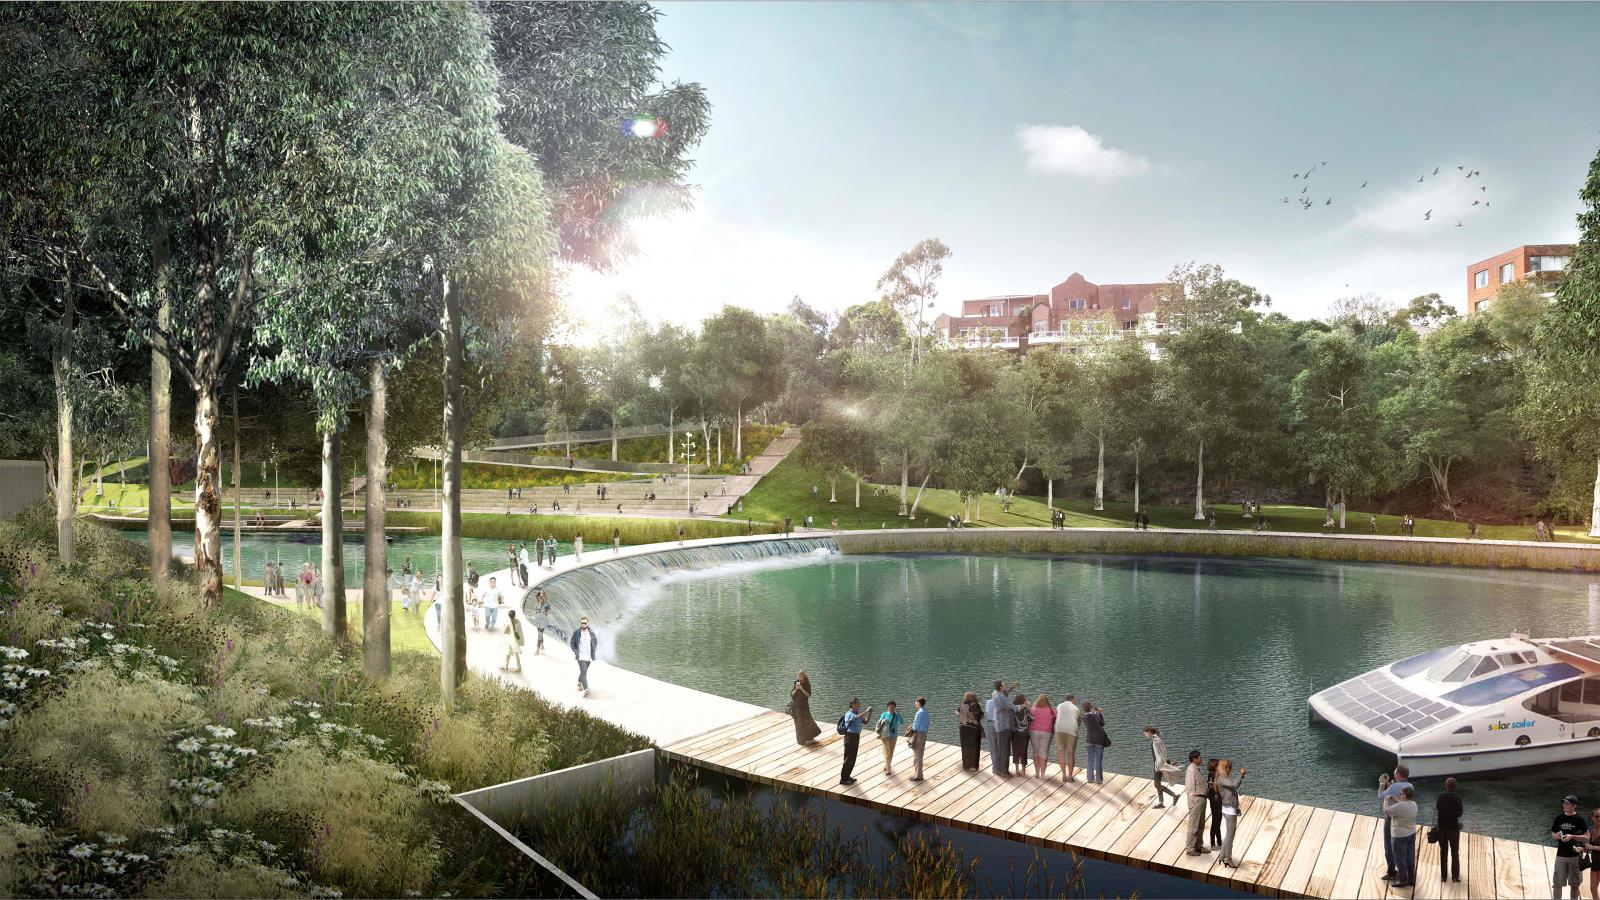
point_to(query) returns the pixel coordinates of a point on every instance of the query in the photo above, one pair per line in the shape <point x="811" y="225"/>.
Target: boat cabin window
<point x="1585" y="691"/>
<point x="1465" y="729"/>
<point x="1509" y="659"/>
<point x="1485" y="666"/>
<point x="1444" y="669"/>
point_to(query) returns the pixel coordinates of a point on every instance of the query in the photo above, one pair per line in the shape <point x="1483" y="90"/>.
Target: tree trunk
<point x="122" y="474"/>
<point x="719" y="445"/>
<point x="158" y="517"/>
<point x="905" y="478"/>
<point x="613" y="435"/>
<point x="1050" y="494"/>
<point x="334" y="622"/>
<point x="1343" y="507"/>
<point x="207" y="497"/>
<point x="1200" y="483"/>
<point x="1594" y="513"/>
<point x="1100" y="472"/>
<point x="920" y="488"/>
<point x="670" y="435"/>
<point x="858" y="491"/>
<point x="738" y="431"/>
<point x="833" y="488"/>
<point x="977" y="506"/>
<point x="1135" y="478"/>
<point x="66" y="461"/>
<point x="238" y="478"/>
<point x="375" y="583"/>
<point x="453" y="621"/>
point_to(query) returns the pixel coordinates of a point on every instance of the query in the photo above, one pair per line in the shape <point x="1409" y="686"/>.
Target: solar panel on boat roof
<point x="1586" y="649"/>
<point x="1377" y="701"/>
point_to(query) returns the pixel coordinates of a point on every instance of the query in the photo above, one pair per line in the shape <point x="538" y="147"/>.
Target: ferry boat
<point x="1476" y="707"/>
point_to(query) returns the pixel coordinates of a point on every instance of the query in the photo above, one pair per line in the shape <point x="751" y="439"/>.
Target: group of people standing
<point x="544" y="556"/>
<point x="1209" y="787"/>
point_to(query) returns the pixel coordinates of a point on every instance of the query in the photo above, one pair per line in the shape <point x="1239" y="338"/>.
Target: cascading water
<point x="610" y="592"/>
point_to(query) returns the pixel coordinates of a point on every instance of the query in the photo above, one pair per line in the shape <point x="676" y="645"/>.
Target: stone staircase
<point x="736" y="486"/>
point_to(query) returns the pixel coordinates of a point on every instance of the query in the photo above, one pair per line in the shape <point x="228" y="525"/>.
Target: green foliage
<point x="596" y="529"/>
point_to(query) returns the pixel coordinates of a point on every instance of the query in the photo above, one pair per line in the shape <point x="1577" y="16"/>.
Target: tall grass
<point x="1487" y="554"/>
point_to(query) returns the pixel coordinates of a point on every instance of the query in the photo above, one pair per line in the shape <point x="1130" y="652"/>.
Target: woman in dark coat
<point x="805" y="727"/>
<point x="970" y="717"/>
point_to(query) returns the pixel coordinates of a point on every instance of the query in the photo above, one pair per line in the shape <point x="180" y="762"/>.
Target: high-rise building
<point x="1545" y="262"/>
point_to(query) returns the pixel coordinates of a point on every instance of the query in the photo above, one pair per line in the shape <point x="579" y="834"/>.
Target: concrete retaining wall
<point x="1551" y="557"/>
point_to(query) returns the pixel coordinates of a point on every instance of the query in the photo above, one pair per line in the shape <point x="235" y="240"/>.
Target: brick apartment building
<point x="1546" y="262"/>
<point x="1075" y="313"/>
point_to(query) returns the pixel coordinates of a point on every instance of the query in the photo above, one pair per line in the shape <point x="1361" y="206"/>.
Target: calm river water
<point x="1220" y="654"/>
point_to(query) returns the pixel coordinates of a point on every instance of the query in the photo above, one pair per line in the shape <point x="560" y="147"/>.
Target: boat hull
<point x="1499" y="760"/>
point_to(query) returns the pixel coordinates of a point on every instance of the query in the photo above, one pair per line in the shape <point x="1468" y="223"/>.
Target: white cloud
<point x="1070" y="150"/>
<point x="691" y="263"/>
<point x="1448" y="195"/>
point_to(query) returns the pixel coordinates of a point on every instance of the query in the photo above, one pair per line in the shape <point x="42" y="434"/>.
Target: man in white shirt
<point x="522" y="563"/>
<point x="1194" y="785"/>
<point x="584" y="643"/>
<point x="1068" y="715"/>
<point x="491" y="603"/>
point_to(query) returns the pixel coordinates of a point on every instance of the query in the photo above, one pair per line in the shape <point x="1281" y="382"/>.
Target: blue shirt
<point x="852" y="722"/>
<point x="919" y="720"/>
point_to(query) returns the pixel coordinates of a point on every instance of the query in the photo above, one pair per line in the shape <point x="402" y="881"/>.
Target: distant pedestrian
<point x="1211" y="521"/>
<point x="491" y="603"/>
<point x="852" y="739"/>
<point x="472" y="583"/>
<point x="680" y="534"/>
<point x="538" y="553"/>
<point x="813" y="492"/>
<point x="513" y="642"/>
<point x="1041" y="726"/>
<point x="522" y="563"/>
<point x="1373" y="520"/>
<point x="577" y="547"/>
<point x="1163" y="767"/>
<point x="1472" y="530"/>
<point x="511" y="563"/>
<point x="1019" y="733"/>
<point x="1401" y="813"/>
<point x="788" y="525"/>
<point x="584" y="643"/>
<point x="1449" y="808"/>
<point x="316" y="586"/>
<point x="1570" y="832"/>
<point x="917" y="740"/>
<point x="888" y="729"/>
<point x="805" y="727"/>
<point x="550" y="551"/>
<point x="969" y="725"/>
<point x="541" y="619"/>
<point x="1095" y="742"/>
<point x="1194" y="787"/>
<point x="1228" y="790"/>
<point x="616" y="540"/>
<point x="1068" y="715"/>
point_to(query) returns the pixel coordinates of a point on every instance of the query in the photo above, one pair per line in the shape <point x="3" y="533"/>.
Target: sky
<point x="1115" y="140"/>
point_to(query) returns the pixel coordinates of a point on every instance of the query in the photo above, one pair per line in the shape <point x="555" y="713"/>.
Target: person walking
<point x="888" y="729"/>
<point x="1570" y="832"/>
<point x="1163" y="767"/>
<point x="917" y="740"/>
<point x="1095" y="740"/>
<point x="538" y="553"/>
<point x="316" y="586"/>
<point x="1194" y="787"/>
<point x="1068" y="715"/>
<point x="1228" y="782"/>
<point x="1019" y="733"/>
<point x="969" y="725"/>
<point x="550" y="551"/>
<point x="522" y="563"/>
<point x="1387" y="790"/>
<point x="805" y="727"/>
<point x="511" y="562"/>
<point x="680" y="534"/>
<point x="472" y="583"/>
<point x="1400" y="811"/>
<point x="1041" y="725"/>
<point x="1449" y="809"/>
<point x="542" y="621"/>
<point x="584" y="643"/>
<point x="1216" y="802"/>
<point x="1001" y="720"/>
<point x="616" y="537"/>
<point x="852" y="738"/>
<point x="577" y="547"/>
<point x="513" y="642"/>
<point x="491" y="603"/>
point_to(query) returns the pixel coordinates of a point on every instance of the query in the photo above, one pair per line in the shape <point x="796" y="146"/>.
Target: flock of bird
<point x="1306" y="201"/>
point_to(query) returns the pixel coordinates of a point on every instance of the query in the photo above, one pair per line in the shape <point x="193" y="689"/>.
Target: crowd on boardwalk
<point x="1019" y="733"/>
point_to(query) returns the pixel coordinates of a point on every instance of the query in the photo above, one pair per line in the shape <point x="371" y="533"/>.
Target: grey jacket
<point x="1228" y="788"/>
<point x="1002" y="713"/>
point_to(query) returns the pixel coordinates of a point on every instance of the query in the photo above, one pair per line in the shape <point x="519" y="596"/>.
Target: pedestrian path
<point x="1284" y="849"/>
<point x="736" y="486"/>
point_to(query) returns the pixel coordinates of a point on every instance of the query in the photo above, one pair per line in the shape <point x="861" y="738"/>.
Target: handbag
<point x="1433" y="835"/>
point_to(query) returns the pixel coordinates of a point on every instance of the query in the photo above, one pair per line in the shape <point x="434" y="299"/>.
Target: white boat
<point x="1478" y="707"/>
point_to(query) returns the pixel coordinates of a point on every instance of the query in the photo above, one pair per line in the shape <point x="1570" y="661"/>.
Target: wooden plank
<point x="1099" y="844"/>
<point x="1267" y="861"/>
<point x="1146" y="835"/>
<point x="1507" y="871"/>
<point x="1065" y="799"/>
<point x="751" y="753"/>
<point x="1365" y="836"/>
<point x="1172" y="854"/>
<point x="1428" y="887"/>
<point x="1536" y="873"/>
<point x="1329" y="855"/>
<point x="1480" y="870"/>
<point x="990" y="817"/>
<point x="1042" y="834"/>
<point x="1034" y="795"/>
<point x="1115" y="794"/>
<point x="1251" y="811"/>
<point x="1303" y="853"/>
<point x="701" y="745"/>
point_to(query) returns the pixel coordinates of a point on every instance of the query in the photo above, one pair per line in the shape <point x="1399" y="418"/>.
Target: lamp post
<point x="688" y="457"/>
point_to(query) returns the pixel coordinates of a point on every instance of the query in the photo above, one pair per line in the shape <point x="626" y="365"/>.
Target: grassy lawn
<point x="787" y="492"/>
<point x="405" y="629"/>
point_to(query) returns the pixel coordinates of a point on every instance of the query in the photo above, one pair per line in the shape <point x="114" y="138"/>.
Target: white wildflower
<point x="189" y="745"/>
<point x="81" y="851"/>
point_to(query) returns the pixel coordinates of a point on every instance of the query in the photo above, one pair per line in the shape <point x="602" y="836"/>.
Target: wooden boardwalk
<point x="1284" y="849"/>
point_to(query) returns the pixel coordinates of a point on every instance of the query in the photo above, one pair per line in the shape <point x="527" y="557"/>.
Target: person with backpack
<point x="513" y="642"/>
<point x="888" y="732"/>
<point x="850" y="726"/>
